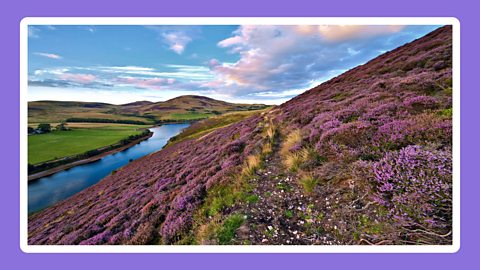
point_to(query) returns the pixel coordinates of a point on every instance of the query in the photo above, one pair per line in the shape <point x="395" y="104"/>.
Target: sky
<point x="237" y="63"/>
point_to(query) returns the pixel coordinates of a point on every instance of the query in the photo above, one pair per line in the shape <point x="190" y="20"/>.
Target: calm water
<point x="51" y="189"/>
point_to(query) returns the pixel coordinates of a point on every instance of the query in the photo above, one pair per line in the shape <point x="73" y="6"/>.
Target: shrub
<point x="44" y="127"/>
<point x="446" y="113"/>
<point x="415" y="183"/>
<point x="310" y="158"/>
<point x="420" y="103"/>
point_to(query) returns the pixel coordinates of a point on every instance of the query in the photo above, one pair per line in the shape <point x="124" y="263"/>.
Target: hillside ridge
<point x="187" y="107"/>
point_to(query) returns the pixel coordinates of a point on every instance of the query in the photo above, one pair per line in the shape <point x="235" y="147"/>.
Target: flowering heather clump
<point x="420" y="103"/>
<point x="416" y="185"/>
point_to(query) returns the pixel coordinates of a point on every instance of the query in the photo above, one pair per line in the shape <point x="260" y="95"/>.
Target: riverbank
<point x="91" y="159"/>
<point x="47" y="191"/>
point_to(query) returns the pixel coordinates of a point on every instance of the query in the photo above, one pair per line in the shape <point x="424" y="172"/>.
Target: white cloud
<point x="49" y="55"/>
<point x="33" y="32"/>
<point x="176" y="37"/>
<point x="185" y="72"/>
<point x="128" y="68"/>
<point x="177" y="41"/>
<point x="54" y="71"/>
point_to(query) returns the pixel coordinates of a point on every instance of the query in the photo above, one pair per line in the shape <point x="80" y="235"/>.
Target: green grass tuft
<point x="226" y="232"/>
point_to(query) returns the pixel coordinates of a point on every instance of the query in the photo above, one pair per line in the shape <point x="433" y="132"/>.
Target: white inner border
<point x="236" y="21"/>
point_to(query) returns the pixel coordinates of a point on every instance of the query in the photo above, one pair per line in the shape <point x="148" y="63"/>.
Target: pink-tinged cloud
<point x="49" y="55"/>
<point x="213" y="63"/>
<point x="348" y="32"/>
<point x="147" y="83"/>
<point x="77" y="77"/>
<point x="288" y="57"/>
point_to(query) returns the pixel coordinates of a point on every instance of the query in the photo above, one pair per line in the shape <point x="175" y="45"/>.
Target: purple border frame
<point x="11" y="15"/>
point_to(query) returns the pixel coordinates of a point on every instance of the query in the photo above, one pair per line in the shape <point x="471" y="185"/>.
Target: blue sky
<point x="251" y="64"/>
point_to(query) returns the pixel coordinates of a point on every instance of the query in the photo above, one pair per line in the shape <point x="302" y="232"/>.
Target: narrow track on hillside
<point x="283" y="214"/>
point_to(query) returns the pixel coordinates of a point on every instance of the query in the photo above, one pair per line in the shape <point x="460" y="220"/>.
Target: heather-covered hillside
<point x="364" y="158"/>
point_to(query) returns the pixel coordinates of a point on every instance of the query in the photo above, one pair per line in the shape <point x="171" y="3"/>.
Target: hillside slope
<point x="364" y="158"/>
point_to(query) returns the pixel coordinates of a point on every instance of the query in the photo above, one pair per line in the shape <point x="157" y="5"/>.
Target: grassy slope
<point x="193" y="107"/>
<point x="57" y="144"/>
<point x="211" y="124"/>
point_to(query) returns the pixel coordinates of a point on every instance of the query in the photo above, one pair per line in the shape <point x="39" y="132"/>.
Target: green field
<point x="57" y="144"/>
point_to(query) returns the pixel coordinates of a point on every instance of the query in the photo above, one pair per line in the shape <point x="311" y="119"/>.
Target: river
<point x="50" y="189"/>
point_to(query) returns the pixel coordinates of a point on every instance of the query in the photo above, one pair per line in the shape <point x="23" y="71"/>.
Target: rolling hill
<point x="364" y="158"/>
<point x="179" y="108"/>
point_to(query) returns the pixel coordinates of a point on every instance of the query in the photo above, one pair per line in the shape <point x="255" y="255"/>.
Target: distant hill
<point x="186" y="107"/>
<point x="180" y="108"/>
<point x="137" y="103"/>
<point x="362" y="159"/>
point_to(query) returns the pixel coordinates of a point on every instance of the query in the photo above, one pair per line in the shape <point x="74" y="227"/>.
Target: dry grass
<point x="205" y="234"/>
<point x="308" y="182"/>
<point x="270" y="131"/>
<point x="292" y="139"/>
<point x="267" y="148"/>
<point x="293" y="161"/>
<point x="252" y="163"/>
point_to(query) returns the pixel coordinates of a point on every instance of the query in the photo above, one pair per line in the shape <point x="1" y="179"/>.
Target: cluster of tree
<point x="41" y="128"/>
<point x="45" y="128"/>
<point x="104" y="120"/>
<point x="62" y="127"/>
<point x="55" y="163"/>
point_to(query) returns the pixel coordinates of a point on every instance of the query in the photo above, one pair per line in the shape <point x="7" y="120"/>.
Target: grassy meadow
<point x="81" y="138"/>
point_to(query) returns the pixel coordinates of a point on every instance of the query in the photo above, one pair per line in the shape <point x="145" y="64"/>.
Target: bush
<point x="415" y="183"/>
<point x="44" y="127"/>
